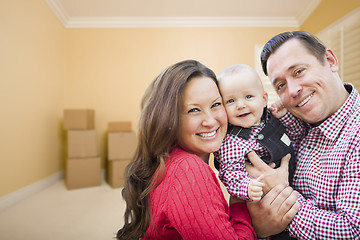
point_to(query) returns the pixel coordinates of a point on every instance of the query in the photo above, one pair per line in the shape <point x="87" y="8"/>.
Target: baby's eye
<point x="230" y="101"/>
<point x="248" y="96"/>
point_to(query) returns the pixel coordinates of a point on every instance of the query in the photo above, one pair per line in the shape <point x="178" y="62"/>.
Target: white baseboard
<point x="23" y="193"/>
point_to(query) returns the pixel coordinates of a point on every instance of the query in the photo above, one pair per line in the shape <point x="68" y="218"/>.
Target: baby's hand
<point x="277" y="109"/>
<point x="255" y="189"/>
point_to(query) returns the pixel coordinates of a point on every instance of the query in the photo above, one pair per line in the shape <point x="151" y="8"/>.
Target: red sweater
<point x="189" y="204"/>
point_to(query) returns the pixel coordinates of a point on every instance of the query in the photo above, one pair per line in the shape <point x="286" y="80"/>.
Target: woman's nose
<point x="209" y="120"/>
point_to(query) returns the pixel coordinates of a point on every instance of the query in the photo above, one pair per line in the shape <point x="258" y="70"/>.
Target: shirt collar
<point x="333" y="124"/>
<point x="245" y="132"/>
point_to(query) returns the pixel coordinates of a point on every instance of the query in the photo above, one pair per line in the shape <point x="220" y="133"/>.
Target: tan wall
<point x="109" y="69"/>
<point x="46" y="68"/>
<point x="328" y="12"/>
<point x="31" y="76"/>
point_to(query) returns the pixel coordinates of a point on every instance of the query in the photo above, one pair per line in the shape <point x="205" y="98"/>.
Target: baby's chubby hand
<point x="255" y="189"/>
<point x="277" y="109"/>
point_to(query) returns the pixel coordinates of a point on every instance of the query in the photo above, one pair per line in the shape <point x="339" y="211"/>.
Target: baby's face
<point x="244" y="98"/>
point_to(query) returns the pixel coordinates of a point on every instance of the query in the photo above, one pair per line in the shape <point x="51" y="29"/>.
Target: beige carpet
<point x="94" y="213"/>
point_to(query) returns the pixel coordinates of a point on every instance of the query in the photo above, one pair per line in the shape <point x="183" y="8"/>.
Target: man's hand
<point x="272" y="177"/>
<point x="273" y="213"/>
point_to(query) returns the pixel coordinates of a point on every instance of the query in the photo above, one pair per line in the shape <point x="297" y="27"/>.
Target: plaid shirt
<point x="232" y="156"/>
<point x="328" y="174"/>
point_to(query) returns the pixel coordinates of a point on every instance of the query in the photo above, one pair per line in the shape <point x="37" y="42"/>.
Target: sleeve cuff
<point x="239" y="209"/>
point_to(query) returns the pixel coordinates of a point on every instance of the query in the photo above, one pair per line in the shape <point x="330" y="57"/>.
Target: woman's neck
<point x="204" y="157"/>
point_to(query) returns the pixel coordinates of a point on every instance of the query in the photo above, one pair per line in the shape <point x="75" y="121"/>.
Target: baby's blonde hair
<point x="236" y="69"/>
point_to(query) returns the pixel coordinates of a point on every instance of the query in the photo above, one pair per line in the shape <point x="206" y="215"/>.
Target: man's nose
<point x="294" y="88"/>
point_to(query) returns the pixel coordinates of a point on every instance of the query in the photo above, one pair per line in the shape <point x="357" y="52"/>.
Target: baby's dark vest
<point x="273" y="137"/>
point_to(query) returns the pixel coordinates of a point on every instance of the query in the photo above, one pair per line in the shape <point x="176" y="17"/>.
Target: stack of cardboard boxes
<point x="83" y="164"/>
<point x="121" y="149"/>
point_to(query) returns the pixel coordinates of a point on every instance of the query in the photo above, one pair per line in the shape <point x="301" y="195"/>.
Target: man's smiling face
<point x="306" y="86"/>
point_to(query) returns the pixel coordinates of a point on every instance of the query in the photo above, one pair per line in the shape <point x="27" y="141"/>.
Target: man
<point x="304" y="75"/>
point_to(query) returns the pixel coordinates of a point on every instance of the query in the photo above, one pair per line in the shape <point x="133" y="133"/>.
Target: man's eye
<point x="299" y="71"/>
<point x="279" y="86"/>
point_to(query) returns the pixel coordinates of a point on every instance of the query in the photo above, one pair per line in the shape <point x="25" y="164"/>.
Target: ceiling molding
<point x="177" y="22"/>
<point x="307" y="11"/>
<point x="59" y="11"/>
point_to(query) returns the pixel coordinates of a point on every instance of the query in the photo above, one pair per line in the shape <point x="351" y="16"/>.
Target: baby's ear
<point x="266" y="97"/>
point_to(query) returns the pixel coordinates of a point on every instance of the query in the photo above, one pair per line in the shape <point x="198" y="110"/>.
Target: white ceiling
<point x="182" y="13"/>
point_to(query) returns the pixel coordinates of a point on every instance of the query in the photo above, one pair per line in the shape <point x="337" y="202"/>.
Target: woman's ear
<point x="332" y="60"/>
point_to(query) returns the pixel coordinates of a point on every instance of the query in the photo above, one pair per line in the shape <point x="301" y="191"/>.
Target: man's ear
<point x="332" y="60"/>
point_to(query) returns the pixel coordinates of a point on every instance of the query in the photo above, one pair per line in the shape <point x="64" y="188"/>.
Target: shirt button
<point x="260" y="137"/>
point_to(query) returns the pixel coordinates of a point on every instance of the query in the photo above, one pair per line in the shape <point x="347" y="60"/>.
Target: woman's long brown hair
<point x="157" y="134"/>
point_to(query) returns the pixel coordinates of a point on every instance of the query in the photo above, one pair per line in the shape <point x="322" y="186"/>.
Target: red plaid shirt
<point x="328" y="174"/>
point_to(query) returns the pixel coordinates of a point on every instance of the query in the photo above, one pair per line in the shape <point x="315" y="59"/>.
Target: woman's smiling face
<point x="203" y="121"/>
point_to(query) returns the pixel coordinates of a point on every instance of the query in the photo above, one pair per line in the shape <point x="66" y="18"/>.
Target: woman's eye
<point x="216" y="104"/>
<point x="194" y="110"/>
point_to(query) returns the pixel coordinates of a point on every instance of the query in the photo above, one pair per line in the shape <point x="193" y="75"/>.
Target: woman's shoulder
<point x="190" y="173"/>
<point x="179" y="158"/>
<point x="185" y="165"/>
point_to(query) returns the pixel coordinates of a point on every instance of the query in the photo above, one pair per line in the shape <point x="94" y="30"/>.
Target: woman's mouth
<point x="208" y="134"/>
<point x="305" y="100"/>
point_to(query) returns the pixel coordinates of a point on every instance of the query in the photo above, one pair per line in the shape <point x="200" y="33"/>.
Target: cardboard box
<point x="79" y="119"/>
<point x="82" y="144"/>
<point x="121" y="145"/>
<point x="83" y="172"/>
<point x="116" y="172"/>
<point x="119" y="127"/>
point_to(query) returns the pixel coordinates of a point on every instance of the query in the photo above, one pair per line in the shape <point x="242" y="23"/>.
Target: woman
<point x="171" y="192"/>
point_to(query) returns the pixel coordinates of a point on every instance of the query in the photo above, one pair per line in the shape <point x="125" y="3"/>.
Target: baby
<point x="251" y="128"/>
